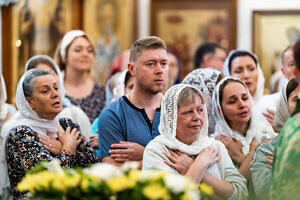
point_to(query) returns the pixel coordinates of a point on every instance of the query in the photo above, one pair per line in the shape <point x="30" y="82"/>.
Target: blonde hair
<point x="150" y="42"/>
<point x="57" y="57"/>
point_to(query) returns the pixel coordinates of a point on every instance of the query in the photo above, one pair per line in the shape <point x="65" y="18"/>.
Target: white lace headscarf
<point x="65" y="101"/>
<point x="260" y="79"/>
<point x="67" y="40"/>
<point x="282" y="110"/>
<point x="258" y="127"/>
<point x="168" y="124"/>
<point x="28" y="117"/>
<point x="3" y="98"/>
<point x="205" y="80"/>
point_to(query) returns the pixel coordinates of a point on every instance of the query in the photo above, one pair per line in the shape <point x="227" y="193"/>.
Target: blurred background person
<point x="75" y="56"/>
<point x="211" y="55"/>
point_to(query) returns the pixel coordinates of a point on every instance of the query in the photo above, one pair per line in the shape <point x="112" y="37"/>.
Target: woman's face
<point x="292" y="100"/>
<point x="46" y="67"/>
<point x="173" y="66"/>
<point x="46" y="101"/>
<point x="190" y="119"/>
<point x="80" y="55"/>
<point x="245" y="69"/>
<point x="236" y="105"/>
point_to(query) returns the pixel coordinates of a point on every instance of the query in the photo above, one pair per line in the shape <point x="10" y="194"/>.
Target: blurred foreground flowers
<point x="107" y="182"/>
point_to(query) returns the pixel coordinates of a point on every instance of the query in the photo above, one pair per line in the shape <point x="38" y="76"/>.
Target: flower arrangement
<point x="107" y="182"/>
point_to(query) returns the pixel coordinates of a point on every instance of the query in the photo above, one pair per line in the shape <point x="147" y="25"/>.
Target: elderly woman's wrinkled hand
<point x="94" y="141"/>
<point x="69" y="139"/>
<point x="178" y="160"/>
<point x="51" y="144"/>
<point x="208" y="156"/>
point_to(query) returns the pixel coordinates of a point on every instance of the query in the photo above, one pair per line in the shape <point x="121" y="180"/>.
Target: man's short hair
<point x="206" y="48"/>
<point x="150" y="42"/>
<point x="296" y="50"/>
<point x="290" y="47"/>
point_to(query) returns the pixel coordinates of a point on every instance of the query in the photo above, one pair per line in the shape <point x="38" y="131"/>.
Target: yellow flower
<point x="185" y="197"/>
<point x="134" y="175"/>
<point x="85" y="183"/>
<point x="95" y="179"/>
<point x="27" y="184"/>
<point x="120" y="183"/>
<point x="156" y="191"/>
<point x="44" y="178"/>
<point x="190" y="185"/>
<point x="158" y="175"/>
<point x="206" y="189"/>
<point x="71" y="181"/>
<point x="58" y="183"/>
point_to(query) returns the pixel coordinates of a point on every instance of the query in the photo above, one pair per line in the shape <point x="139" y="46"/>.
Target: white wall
<point x="244" y="16"/>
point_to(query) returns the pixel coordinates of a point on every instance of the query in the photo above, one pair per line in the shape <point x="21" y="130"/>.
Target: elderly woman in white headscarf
<point x="6" y="110"/>
<point x="38" y="101"/>
<point x="44" y="62"/>
<point x="238" y="125"/>
<point x="245" y="66"/>
<point x="205" y="79"/>
<point x="183" y="129"/>
<point x="262" y="161"/>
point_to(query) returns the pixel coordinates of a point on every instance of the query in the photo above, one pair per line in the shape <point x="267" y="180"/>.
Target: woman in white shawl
<point x="238" y="125"/>
<point x="6" y="110"/>
<point x="38" y="101"/>
<point x="245" y="66"/>
<point x="183" y="128"/>
<point x="44" y="62"/>
<point x="205" y="79"/>
<point x="262" y="161"/>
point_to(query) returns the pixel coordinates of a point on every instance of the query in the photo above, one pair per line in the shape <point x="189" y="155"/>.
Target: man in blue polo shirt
<point x="128" y="124"/>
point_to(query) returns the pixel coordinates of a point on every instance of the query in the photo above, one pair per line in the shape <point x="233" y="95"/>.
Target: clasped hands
<point x="67" y="140"/>
<point x="181" y="162"/>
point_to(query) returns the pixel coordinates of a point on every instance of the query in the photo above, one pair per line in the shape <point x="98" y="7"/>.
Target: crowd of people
<point x="215" y="126"/>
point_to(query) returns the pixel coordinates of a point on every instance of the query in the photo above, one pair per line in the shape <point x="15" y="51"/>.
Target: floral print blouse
<point x="93" y="104"/>
<point x="24" y="151"/>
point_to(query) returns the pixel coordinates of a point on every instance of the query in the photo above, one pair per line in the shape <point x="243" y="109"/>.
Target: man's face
<point x="217" y="60"/>
<point x="288" y="64"/>
<point x="151" y="70"/>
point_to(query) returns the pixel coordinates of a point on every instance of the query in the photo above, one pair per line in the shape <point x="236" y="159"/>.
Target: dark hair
<point x="30" y="79"/>
<point x="296" y="50"/>
<point x="206" y="48"/>
<point x="223" y="85"/>
<point x="127" y="78"/>
<point x="150" y="42"/>
<point x="291" y="86"/>
<point x="240" y="54"/>
<point x="34" y="63"/>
